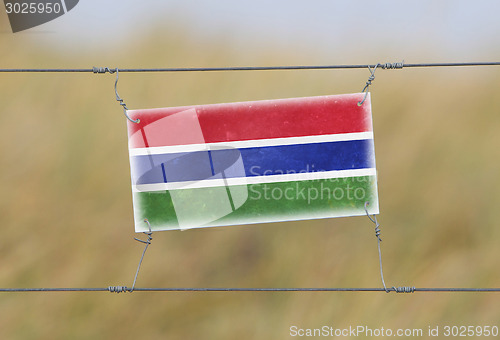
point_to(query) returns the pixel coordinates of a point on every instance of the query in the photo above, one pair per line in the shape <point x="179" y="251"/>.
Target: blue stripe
<point x="248" y="162"/>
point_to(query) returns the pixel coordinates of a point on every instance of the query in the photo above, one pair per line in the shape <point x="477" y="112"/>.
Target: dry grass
<point x="66" y="214"/>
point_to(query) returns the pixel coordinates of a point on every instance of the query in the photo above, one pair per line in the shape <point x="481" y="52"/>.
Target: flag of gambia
<point x="252" y="162"/>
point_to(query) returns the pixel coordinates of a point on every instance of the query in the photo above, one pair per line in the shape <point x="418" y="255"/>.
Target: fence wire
<point x="398" y="65"/>
<point x="122" y="289"/>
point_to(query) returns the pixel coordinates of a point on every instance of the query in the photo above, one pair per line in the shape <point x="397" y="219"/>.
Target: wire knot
<point x="147" y="233"/>
<point x="378" y="232"/>
<point x="118" y="289"/>
<point x="103" y="70"/>
<point x="374" y="220"/>
<point x="392" y="66"/>
<point x="403" y="289"/>
<point x="368" y="83"/>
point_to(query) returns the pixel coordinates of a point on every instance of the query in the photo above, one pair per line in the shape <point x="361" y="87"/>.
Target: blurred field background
<point x="66" y="210"/>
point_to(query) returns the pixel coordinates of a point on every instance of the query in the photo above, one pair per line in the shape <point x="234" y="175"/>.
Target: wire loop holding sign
<point x="118" y="98"/>
<point x="147" y="242"/>
<point x="368" y="83"/>
<point x="385" y="66"/>
<point x="377" y="234"/>
<point x="122" y="289"/>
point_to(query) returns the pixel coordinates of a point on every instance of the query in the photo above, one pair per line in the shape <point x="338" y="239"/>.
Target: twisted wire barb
<point x="392" y="66"/>
<point x="368" y="83"/>
<point x="386" y="66"/>
<point x="118" y="289"/>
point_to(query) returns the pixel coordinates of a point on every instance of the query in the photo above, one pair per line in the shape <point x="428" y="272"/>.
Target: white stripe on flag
<point x="210" y="183"/>
<point x="338" y="137"/>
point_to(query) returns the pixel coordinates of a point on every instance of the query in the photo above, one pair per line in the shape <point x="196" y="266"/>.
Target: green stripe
<point x="256" y="203"/>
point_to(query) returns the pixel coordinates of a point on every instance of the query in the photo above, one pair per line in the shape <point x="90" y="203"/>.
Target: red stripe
<point x="250" y="120"/>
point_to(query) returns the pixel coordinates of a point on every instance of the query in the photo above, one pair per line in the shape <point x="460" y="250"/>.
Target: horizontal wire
<point x="423" y="290"/>
<point x="242" y="68"/>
